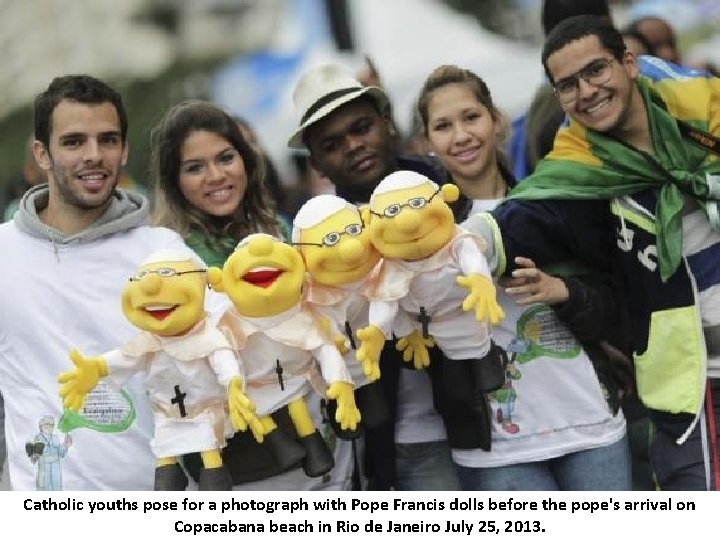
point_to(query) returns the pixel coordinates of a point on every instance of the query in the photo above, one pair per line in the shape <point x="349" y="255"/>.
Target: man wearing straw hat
<point x="351" y="139"/>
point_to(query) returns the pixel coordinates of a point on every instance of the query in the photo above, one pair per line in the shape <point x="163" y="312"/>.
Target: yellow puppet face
<point x="263" y="276"/>
<point x="412" y="223"/>
<point x="338" y="250"/>
<point x="166" y="298"/>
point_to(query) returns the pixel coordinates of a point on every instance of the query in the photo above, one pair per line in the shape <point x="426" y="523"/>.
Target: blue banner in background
<point x="253" y="85"/>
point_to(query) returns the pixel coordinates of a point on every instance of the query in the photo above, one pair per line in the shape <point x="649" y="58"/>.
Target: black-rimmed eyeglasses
<point x="596" y="73"/>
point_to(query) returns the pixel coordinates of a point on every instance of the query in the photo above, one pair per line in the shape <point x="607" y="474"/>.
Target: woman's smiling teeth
<point x="467" y="155"/>
<point x="219" y="194"/>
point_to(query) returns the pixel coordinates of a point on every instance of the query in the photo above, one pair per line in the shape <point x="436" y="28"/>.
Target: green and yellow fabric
<point x="585" y="164"/>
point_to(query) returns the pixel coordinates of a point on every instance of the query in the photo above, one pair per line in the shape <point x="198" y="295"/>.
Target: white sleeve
<point x="484" y="226"/>
<point x="404" y="324"/>
<point x="225" y="365"/>
<point x="332" y="365"/>
<point x="121" y="367"/>
<point x="382" y="314"/>
<point x="470" y="258"/>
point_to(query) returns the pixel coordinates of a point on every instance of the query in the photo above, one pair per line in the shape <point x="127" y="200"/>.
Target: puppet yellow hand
<point x="347" y="414"/>
<point x="372" y="340"/>
<point x="481" y="297"/>
<point x="78" y="383"/>
<point x="415" y="349"/>
<point x="242" y="410"/>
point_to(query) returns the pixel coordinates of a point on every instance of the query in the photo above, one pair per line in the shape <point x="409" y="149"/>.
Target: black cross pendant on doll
<point x="179" y="399"/>
<point x="279" y="371"/>
<point x="349" y="334"/>
<point x="424" y="320"/>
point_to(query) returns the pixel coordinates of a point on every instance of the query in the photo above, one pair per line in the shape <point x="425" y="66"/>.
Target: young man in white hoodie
<point x="67" y="253"/>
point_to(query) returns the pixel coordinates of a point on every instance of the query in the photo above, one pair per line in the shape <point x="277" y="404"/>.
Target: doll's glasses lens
<point x="416" y="203"/>
<point x="331" y="239"/>
<point x="164" y="273"/>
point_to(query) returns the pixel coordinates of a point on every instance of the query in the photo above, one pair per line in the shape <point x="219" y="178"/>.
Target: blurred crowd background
<point x="246" y="55"/>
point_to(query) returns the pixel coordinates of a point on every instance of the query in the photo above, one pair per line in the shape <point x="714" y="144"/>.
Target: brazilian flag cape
<point x="585" y="164"/>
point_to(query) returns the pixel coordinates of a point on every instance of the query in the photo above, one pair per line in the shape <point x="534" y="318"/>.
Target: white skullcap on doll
<point x="174" y="255"/>
<point x="401" y="180"/>
<point x="316" y="210"/>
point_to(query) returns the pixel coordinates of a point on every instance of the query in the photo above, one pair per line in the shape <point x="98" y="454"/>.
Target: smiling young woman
<point x="210" y="184"/>
<point x="551" y="425"/>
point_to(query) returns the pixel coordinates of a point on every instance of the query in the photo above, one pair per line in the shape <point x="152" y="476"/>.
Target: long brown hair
<point x="256" y="211"/>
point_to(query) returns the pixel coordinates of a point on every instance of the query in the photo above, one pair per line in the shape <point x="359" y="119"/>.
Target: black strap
<point x="701" y="138"/>
<point x="349" y="334"/>
<point x="424" y="320"/>
<point x="327" y="98"/>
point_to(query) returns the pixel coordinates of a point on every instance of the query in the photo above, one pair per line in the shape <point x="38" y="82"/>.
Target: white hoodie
<point x="61" y="292"/>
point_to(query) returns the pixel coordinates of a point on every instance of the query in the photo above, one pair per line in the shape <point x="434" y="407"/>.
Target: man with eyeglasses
<point x="350" y="138"/>
<point x="68" y="253"/>
<point x="632" y="186"/>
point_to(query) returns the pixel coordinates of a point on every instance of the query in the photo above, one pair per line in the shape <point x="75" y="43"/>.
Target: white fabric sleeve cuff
<point x="225" y="366"/>
<point x="332" y="364"/>
<point x="382" y="315"/>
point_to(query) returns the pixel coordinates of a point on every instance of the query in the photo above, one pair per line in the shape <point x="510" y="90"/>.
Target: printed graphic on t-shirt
<point x="47" y="450"/>
<point x="506" y="395"/>
<point x="546" y="335"/>
<point x="106" y="410"/>
<point x="539" y="334"/>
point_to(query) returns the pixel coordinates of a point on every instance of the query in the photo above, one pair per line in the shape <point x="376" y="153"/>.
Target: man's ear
<point x="450" y="193"/>
<point x="125" y="153"/>
<point x="315" y="170"/>
<point x="630" y="65"/>
<point x="41" y="155"/>
<point x="312" y="162"/>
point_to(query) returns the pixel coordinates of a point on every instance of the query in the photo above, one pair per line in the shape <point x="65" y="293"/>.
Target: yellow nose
<point x="260" y="247"/>
<point x="351" y="251"/>
<point x="151" y="284"/>
<point x="408" y="221"/>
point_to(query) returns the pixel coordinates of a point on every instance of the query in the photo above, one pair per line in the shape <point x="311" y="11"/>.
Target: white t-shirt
<point x="59" y="296"/>
<point x="551" y="403"/>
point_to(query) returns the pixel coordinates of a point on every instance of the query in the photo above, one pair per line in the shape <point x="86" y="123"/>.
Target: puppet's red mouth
<point x="262" y="276"/>
<point x="159" y="312"/>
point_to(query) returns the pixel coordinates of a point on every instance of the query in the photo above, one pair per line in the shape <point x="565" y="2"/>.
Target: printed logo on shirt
<point x="545" y="335"/>
<point x="106" y="410"/>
